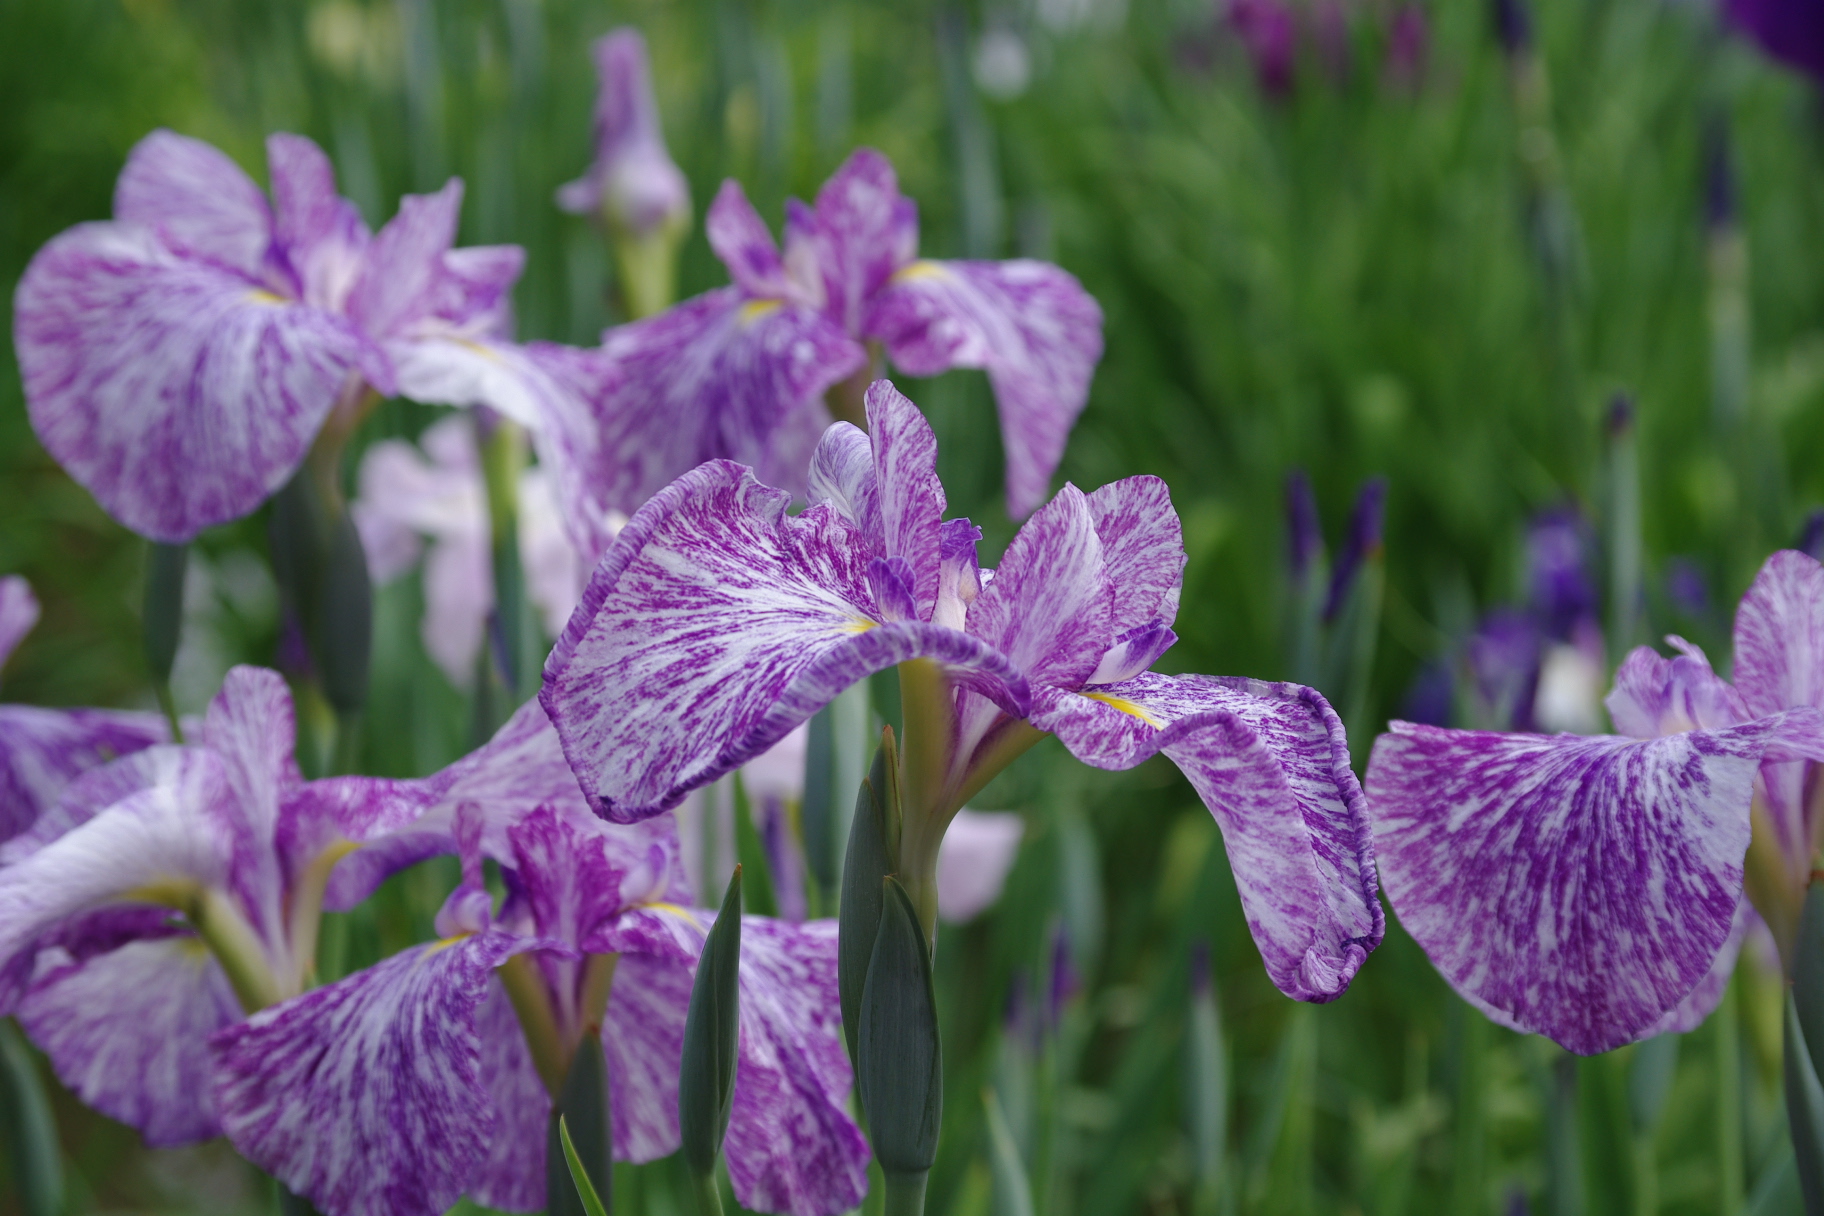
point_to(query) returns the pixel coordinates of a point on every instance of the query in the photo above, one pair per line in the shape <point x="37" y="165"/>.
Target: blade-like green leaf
<point x="163" y="619"/>
<point x="900" y="1062"/>
<point x="818" y="811"/>
<point x="758" y="895"/>
<point x="706" y="1081"/>
<point x="579" y="1177"/>
<point x="869" y="860"/>
<point x="1012" y="1189"/>
<point x="582" y="1105"/>
<point x="32" y="1154"/>
<point x="1804" y="1111"/>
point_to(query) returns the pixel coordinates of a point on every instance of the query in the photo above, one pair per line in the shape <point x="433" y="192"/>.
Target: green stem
<point x="708" y="1193"/>
<point x="906" y="1193"/>
<point x="348" y="743"/>
<point x="1728" y="1102"/>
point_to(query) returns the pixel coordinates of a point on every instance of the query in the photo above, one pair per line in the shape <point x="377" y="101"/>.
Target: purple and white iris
<point x="43" y="750"/>
<point x="730" y="621"/>
<point x="430" y="1075"/>
<point x="1589" y="888"/>
<point x="180" y="360"/>
<point x="632" y="183"/>
<point x="740" y="373"/>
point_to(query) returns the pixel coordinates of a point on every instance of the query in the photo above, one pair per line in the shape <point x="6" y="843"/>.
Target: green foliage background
<point x="1339" y="279"/>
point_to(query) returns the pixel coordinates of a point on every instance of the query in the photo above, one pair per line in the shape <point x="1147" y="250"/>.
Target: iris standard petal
<point x="197" y="199"/>
<point x="1779" y="636"/>
<point x="741" y="239"/>
<point x="1272" y="764"/>
<point x="18" y="613"/>
<point x="862" y="231"/>
<point x="43" y="750"/>
<point x="321" y="234"/>
<point x="127" y="1031"/>
<point x="729" y="622"/>
<point x="1581" y="886"/>
<point x="720" y="376"/>
<point x="910" y="495"/>
<point x="1050" y="607"/>
<point x="1654" y="695"/>
<point x="1142" y="548"/>
<point x="1030" y="324"/>
<point x="179" y="393"/>
<point x="842" y="473"/>
<point x="366" y="1097"/>
<point x="404" y="271"/>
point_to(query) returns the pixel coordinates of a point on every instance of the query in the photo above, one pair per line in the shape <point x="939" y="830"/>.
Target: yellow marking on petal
<point x="447" y="942"/>
<point x="677" y="910"/>
<point x="486" y="352"/>
<point x="924" y="268"/>
<point x="754" y="310"/>
<point x="259" y="296"/>
<point x="860" y="624"/>
<point x="1131" y="708"/>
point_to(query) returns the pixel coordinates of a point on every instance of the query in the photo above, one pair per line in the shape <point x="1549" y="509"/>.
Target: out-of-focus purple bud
<point x="1270" y="33"/>
<point x="1558" y="547"/>
<point x="1811" y="537"/>
<point x="1408" y="45"/>
<point x="633" y="183"/>
<point x="1330" y="34"/>
<point x="1200" y="967"/>
<point x="1620" y="418"/>
<point x="1791" y="31"/>
<point x="1065" y="982"/>
<point x="1503" y="658"/>
<point x="1513" y="25"/>
<point x="1687" y="588"/>
<point x="1719" y="175"/>
<point x="1304" y="537"/>
<point x="1429" y="699"/>
<point x="1516" y="1203"/>
<point x="1364" y="542"/>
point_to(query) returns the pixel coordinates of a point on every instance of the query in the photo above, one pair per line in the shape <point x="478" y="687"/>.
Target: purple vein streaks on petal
<point x="740" y="238"/>
<point x="1779" y="636"/>
<point x="512" y="1176"/>
<point x="730" y="623"/>
<point x="791" y="1145"/>
<point x="1143" y="547"/>
<point x="1030" y="324"/>
<point x="365" y="1097"/>
<point x="405" y="262"/>
<point x="863" y="230"/>
<point x="1580" y="886"/>
<point x="643" y="1036"/>
<point x="911" y="496"/>
<point x="128" y="1031"/>
<point x="717" y="377"/>
<point x="322" y="234"/>
<point x="195" y="197"/>
<point x="1050" y="607"/>
<point x="1271" y="763"/>
<point x="842" y="473"/>
<point x="1690" y="1013"/>
<point x="178" y="393"/>
<point x="18" y="613"/>
<point x="43" y="750"/>
<point x="1654" y="695"/>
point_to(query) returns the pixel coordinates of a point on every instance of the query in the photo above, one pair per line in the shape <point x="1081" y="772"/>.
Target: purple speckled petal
<point x="729" y="622"/>
<point x="18" y="613"/>
<point x="366" y="1097"/>
<point x="718" y="377"/>
<point x="1050" y="607"/>
<point x="910" y="495"/>
<point x="1030" y="324"/>
<point x="1143" y="547"/>
<point x="321" y="234"/>
<point x="1272" y="764"/>
<point x="128" y="1032"/>
<point x="197" y="199"/>
<point x="741" y="239"/>
<point x="1133" y="652"/>
<point x="182" y="824"/>
<point x="1779" y="636"/>
<point x="1690" y="1013"/>
<point x="404" y="272"/>
<point x="512" y="1175"/>
<point x="576" y="872"/>
<point x="643" y="1037"/>
<point x="180" y="394"/>
<point x="441" y="368"/>
<point x="1580" y="886"/>
<point x="43" y="750"/>
<point x="972" y="862"/>
<point x="632" y="180"/>
<point x="842" y="473"/>
<point x="862" y="231"/>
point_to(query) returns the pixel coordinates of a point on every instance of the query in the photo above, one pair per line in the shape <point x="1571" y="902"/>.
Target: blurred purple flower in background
<point x="180" y="360"/>
<point x="1268" y="30"/>
<point x="1791" y="31"/>
<point x="632" y="183"/>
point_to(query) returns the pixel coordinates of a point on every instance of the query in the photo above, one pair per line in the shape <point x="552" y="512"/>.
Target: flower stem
<point x="709" y="1195"/>
<point x="906" y="1193"/>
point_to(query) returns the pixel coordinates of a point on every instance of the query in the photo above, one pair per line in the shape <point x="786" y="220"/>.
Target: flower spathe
<point x="180" y="360"/>
<point x="1589" y="887"/>
<point x="741" y="372"/>
<point x="403" y="1087"/>
<point x="735" y="621"/>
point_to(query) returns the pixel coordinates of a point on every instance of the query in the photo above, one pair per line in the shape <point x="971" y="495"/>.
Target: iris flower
<point x="731" y="621"/>
<point x="430" y="1075"/>
<point x="1589" y="888"/>
<point x="43" y="750"/>
<point x="180" y="360"/>
<point x="1791" y="31"/>
<point x="741" y="372"/>
<point x="633" y="183"/>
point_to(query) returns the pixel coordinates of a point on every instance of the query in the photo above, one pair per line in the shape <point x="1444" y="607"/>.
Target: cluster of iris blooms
<point x="733" y="522"/>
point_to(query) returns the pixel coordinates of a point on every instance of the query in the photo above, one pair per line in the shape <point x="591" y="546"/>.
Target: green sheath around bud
<point x="899" y="1064"/>
<point x="870" y="859"/>
<point x="706" y="1080"/>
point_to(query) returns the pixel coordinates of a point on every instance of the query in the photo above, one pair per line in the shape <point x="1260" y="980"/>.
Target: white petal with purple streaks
<point x="43" y="750"/>
<point x="1050" y="607"/>
<point x="197" y="199"/>
<point x="18" y="613"/>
